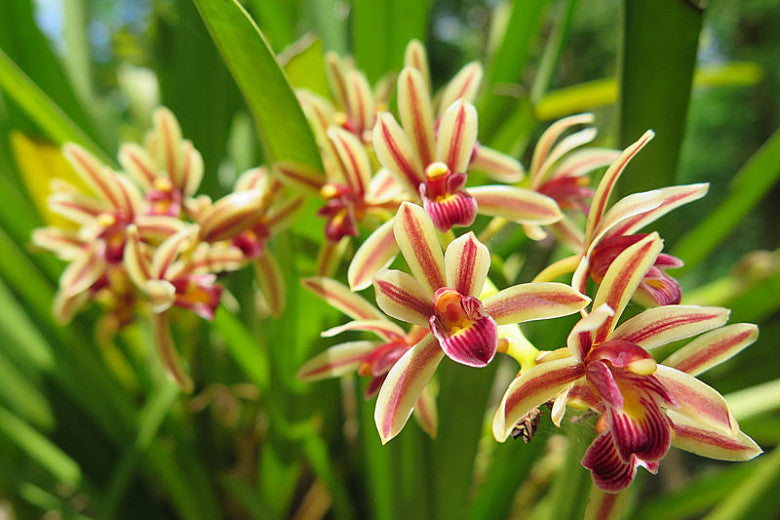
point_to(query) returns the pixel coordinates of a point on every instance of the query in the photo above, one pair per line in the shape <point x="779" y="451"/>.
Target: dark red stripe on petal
<point x="548" y="379"/>
<point x="610" y="472"/>
<point x="421" y="248"/>
<point x="694" y="361"/>
<point x="404" y="298"/>
<point x="398" y="157"/>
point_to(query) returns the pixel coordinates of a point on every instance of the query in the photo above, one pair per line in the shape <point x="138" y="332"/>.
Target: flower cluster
<point x="144" y="241"/>
<point x="141" y="238"/>
<point x="422" y="156"/>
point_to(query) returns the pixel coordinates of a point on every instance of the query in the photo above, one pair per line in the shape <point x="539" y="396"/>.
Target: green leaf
<point x="41" y="108"/>
<point x="603" y="92"/>
<point x="382" y="28"/>
<point x="243" y="347"/>
<point x="696" y="497"/>
<point x="749" y="186"/>
<point x="285" y="132"/>
<point x="755" y="400"/>
<point x="22" y="40"/>
<point x="40" y="449"/>
<point x="503" y="75"/>
<point x="304" y="64"/>
<point x="757" y="491"/>
<point x="655" y="85"/>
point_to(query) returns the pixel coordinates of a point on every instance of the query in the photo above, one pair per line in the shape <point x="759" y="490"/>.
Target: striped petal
<point x="416" y="57"/>
<point x="100" y="178"/>
<point x="210" y="258"/>
<point x="416" y="238"/>
<point x="531" y="389"/>
<point x="376" y="253"/>
<point x="330" y="255"/>
<point x="340" y="297"/>
<point x="192" y="170"/>
<point x="65" y="307"/>
<point x="456" y="136"/>
<point x="693" y="437"/>
<point x="136" y="258"/>
<point x="669" y="198"/>
<point x="300" y="175"/>
<point x="622" y="279"/>
<point x="625" y="208"/>
<point x="467" y="262"/>
<point x="385" y="329"/>
<point x="580" y="339"/>
<point x="157" y="228"/>
<point x="336" y="361"/>
<point x="383" y="188"/>
<point x="534" y="301"/>
<point x="566" y="145"/>
<point x="76" y="207"/>
<point x="425" y="412"/>
<point x="516" y="204"/>
<point x="233" y="214"/>
<point x="337" y="78"/>
<point x="414" y="108"/>
<point x="713" y="348"/>
<point x="352" y="157"/>
<point x="138" y="164"/>
<point x="463" y="86"/>
<point x="361" y="101"/>
<point x="81" y="273"/>
<point x="167" y="252"/>
<point x="696" y="400"/>
<point x="545" y="144"/>
<point x="395" y="152"/>
<point x="496" y="165"/>
<point x="663" y="325"/>
<point x="64" y="243"/>
<point x="402" y="297"/>
<point x="270" y="281"/>
<point x="583" y="162"/>
<point x="608" y="181"/>
<point x="168" y="140"/>
<point x="403" y="386"/>
<point x="167" y="351"/>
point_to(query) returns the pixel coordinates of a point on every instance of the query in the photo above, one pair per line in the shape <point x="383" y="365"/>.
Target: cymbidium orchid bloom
<point x="444" y="297"/>
<point x="180" y="272"/>
<point x="349" y="187"/>
<point x="354" y="105"/>
<point x="168" y="168"/>
<point x="96" y="247"/>
<point x="433" y="171"/>
<point x="644" y="407"/>
<point x="610" y="230"/>
<point x="370" y="358"/>
<point x="276" y="214"/>
<point x="560" y="170"/>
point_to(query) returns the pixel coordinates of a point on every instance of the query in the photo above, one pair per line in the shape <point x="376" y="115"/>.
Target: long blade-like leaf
<point x="286" y="135"/>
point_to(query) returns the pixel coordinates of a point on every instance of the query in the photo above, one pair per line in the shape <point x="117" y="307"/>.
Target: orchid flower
<point x="560" y="170"/>
<point x="432" y="170"/>
<point x="97" y="246"/>
<point x="168" y="168"/>
<point x="610" y="230"/>
<point x="369" y="358"/>
<point x="352" y="193"/>
<point x="443" y="295"/>
<point x="644" y="407"/>
<point x="180" y="272"/>
<point x="276" y="215"/>
<point x="354" y="105"/>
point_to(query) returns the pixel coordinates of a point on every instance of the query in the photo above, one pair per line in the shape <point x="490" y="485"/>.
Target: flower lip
<point x="625" y="355"/>
<point x="466" y="333"/>
<point x="444" y="198"/>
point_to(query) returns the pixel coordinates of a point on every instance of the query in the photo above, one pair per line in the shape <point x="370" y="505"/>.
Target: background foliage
<point x="91" y="427"/>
